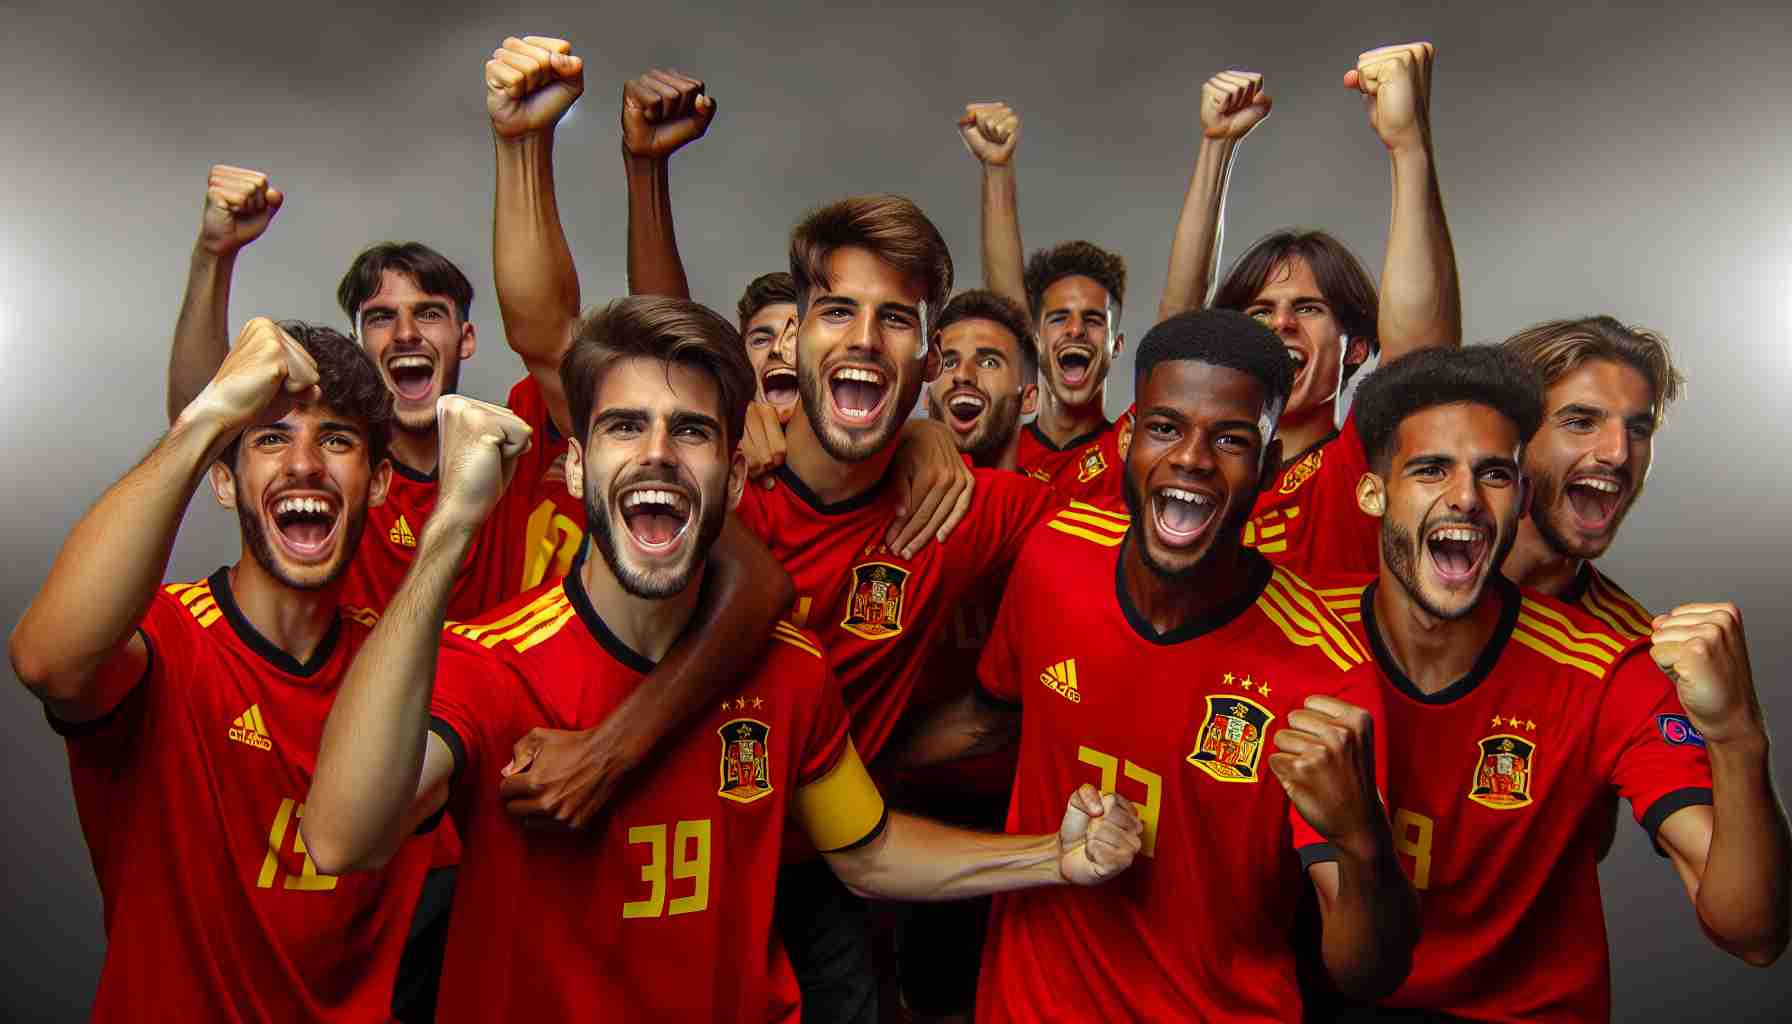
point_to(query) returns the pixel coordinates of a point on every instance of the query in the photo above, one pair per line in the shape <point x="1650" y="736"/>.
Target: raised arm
<point x="530" y="84"/>
<point x="1421" y="299"/>
<point x="239" y="205"/>
<point x="76" y="648"/>
<point x="991" y="131"/>
<point x="378" y="762"/>
<point x="1232" y="103"/>
<point x="1735" y="855"/>
<point x="662" y="111"/>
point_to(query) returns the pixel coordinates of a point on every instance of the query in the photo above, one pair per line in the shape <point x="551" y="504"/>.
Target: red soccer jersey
<point x="1594" y="592"/>
<point x="1201" y="926"/>
<point x="190" y="794"/>
<point x="1489" y="782"/>
<point x="1091" y="468"/>
<point x="880" y="615"/>
<point x="662" y="910"/>
<point x="1308" y="521"/>
<point x="530" y="537"/>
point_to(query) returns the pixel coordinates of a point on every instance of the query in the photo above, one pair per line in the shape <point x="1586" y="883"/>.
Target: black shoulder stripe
<point x="1316" y="853"/>
<point x="455" y="747"/>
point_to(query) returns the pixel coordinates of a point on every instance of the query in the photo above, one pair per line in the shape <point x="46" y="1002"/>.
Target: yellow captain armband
<point x="843" y="808"/>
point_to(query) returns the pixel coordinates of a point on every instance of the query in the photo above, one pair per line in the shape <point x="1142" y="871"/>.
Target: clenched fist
<point x="239" y="205"/>
<point x="264" y="363"/>
<point x="662" y="111"/>
<point x="990" y="131"/>
<point x="1325" y="761"/>
<point x="1396" y="85"/>
<point x="1702" y="649"/>
<point x="531" y="83"/>
<point x="480" y="446"/>
<point x="1100" y="836"/>
<point x="1232" y="103"/>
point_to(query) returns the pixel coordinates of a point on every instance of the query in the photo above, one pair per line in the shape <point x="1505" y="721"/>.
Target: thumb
<point x="567" y="64"/>
<point x="275" y="198"/>
<point x="1353" y="79"/>
<point x="706" y="106"/>
<point x="522" y="755"/>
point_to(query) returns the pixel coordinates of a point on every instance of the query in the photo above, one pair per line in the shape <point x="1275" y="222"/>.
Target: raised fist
<point x="1232" y="103"/>
<point x="990" y="131"/>
<point x="1325" y="762"/>
<point x="264" y="363"/>
<point x="1396" y="84"/>
<point x="239" y="204"/>
<point x="480" y="446"/>
<point x="1702" y="649"/>
<point x="1099" y="838"/>
<point x="530" y="83"/>
<point x="662" y="111"/>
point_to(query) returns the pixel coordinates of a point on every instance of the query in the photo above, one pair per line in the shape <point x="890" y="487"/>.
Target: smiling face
<point x="657" y="473"/>
<point x="980" y="394"/>
<point x="1449" y="504"/>
<point x="1291" y="304"/>
<point x="772" y="351"/>
<point x="1078" y="338"/>
<point x="862" y="356"/>
<point x="301" y="485"/>
<point x="418" y="341"/>
<point x="1590" y="457"/>
<point x="1195" y="464"/>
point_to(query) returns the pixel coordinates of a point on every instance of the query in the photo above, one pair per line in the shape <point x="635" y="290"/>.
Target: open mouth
<point x="1457" y="552"/>
<point x="412" y="376"/>
<point x="962" y="410"/>
<point x="779" y="384"/>
<point x="1298" y="358"/>
<point x="306" y="525"/>
<point x="1595" y="500"/>
<point x="656" y="517"/>
<point x="1182" y="515"/>
<point x="1074" y="363"/>
<point x="858" y="393"/>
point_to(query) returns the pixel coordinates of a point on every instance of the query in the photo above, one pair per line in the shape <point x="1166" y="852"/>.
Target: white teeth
<point x="966" y="405"/>
<point x="854" y="373"/>
<point x="1461" y="533"/>
<point x="305" y="506"/>
<point x="1597" y="484"/>
<point x="1178" y="494"/>
<point x="410" y="363"/>
<point x="1298" y="357"/>
<point x="655" y="497"/>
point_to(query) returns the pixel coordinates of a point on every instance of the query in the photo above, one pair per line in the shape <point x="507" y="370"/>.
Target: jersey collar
<point x="1212" y="619"/>
<point x="261" y="645"/>
<point x="1289" y="460"/>
<point x="594" y="623"/>
<point x="838" y="508"/>
<point x="1490" y="655"/>
<point x="1046" y="442"/>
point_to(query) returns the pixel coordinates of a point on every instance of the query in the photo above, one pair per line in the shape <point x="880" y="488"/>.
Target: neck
<point x="1170" y="604"/>
<point x="831" y="479"/>
<point x="1432" y="652"/>
<point x="1534" y="565"/>
<point x="647" y="626"/>
<point x="1065" y="423"/>
<point x="1301" y="431"/>
<point x="1005" y="458"/>
<point x="295" y="621"/>
<point x="418" y="450"/>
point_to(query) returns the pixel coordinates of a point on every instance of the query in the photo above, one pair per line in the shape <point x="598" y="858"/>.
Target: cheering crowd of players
<point x="621" y="698"/>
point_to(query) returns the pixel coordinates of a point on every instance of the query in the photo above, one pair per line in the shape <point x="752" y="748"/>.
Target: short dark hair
<point x="765" y="290"/>
<point x="1074" y="259"/>
<point x="983" y="304"/>
<point x="1343" y="282"/>
<point x="433" y="272"/>
<point x="349" y="383"/>
<point x="892" y="227"/>
<point x="1486" y="375"/>
<point x="669" y="330"/>
<point x="1220" y="337"/>
<point x="1557" y="348"/>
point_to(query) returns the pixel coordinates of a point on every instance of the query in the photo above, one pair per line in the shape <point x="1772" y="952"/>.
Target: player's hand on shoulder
<point x="1325" y="761"/>
<point x="934" y="487"/>
<point x="1233" y="103"/>
<point x="990" y="131"/>
<point x="662" y="111"/>
<point x="480" y="443"/>
<point x="1099" y="838"/>
<point x="264" y="364"/>
<point x="558" y="779"/>
<point x="530" y="83"/>
<point x="762" y="442"/>
<point x="239" y="205"/>
<point x="1701" y="648"/>
<point x="1396" y="84"/>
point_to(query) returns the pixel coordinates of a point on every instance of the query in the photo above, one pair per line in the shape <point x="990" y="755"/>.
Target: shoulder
<point x="1567" y="638"/>
<point x="515" y="627"/>
<point x="1077" y="534"/>
<point x="1611" y="605"/>
<point x="1311" y="618"/>
<point x="525" y="399"/>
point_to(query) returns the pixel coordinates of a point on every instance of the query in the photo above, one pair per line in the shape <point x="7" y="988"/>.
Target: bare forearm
<point x="1195" y="251"/>
<point x="654" y="266"/>
<point x="201" y="334"/>
<point x="966" y="727"/>
<point x="1745" y="896"/>
<point x="1371" y="924"/>
<point x="1003" y="257"/>
<point x="1421" y="299"/>
<point x="917" y="859"/>
<point x="538" y="286"/>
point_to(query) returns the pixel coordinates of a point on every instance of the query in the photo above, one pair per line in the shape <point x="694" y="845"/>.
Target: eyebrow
<point x="335" y="426"/>
<point x="682" y="418"/>
<point x="1220" y="427"/>
<point x="1582" y="409"/>
<point x="1298" y="300"/>
<point x="387" y="307"/>
<point x="998" y="353"/>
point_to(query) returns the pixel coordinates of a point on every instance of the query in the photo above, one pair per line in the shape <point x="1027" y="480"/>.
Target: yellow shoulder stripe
<point x="1120" y="519"/>
<point x="545" y="631"/>
<point x="365" y="616"/>
<point x="1558" y="627"/>
<point x="843" y="806"/>
<point x="789" y="634"/>
<point x="1616" y="609"/>
<point x="197" y="597"/>
<point x="1306" y="622"/>
<point x="552" y="610"/>
<point x="1555" y="653"/>
<point x="477" y="630"/>
<point x="1106" y="540"/>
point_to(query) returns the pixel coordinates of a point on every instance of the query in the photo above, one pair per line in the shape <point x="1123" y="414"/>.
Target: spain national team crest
<point x="746" y="760"/>
<point x="1503" y="772"/>
<point x="1229" y="746"/>
<point x="874" y="607"/>
<point x="1092" y="464"/>
<point x="1124" y="440"/>
<point x="1302" y="471"/>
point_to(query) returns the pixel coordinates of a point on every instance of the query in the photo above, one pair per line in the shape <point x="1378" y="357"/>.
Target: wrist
<point x="202" y="423"/>
<point x="447" y="530"/>
<point x="1412" y="152"/>
<point x="641" y="163"/>
<point x="1365" y="846"/>
<point x="528" y="145"/>
<point x="1737" y="745"/>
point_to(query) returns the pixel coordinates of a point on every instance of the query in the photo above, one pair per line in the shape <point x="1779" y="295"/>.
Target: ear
<point x="1119" y="343"/>
<point x="1371" y="495"/>
<point x="1356" y="352"/>
<point x="379" y="483"/>
<point x="1272" y="465"/>
<point x="1525" y="494"/>
<point x="931" y="370"/>
<point x="575" y="469"/>
<point x="1029" y="399"/>
<point x="223" y="484"/>
<point x="737" y="478"/>
<point x="467" y="340"/>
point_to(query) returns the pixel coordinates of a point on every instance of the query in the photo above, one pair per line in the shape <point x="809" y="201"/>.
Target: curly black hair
<point x="1488" y="375"/>
<point x="1068" y="259"/>
<point x="983" y="304"/>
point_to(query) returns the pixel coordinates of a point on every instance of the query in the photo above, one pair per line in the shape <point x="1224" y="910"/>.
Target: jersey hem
<point x="1664" y="807"/>
<point x="1316" y="853"/>
<point x="456" y="749"/>
<point x="76" y="730"/>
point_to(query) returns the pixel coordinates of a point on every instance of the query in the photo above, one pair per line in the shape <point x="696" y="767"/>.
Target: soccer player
<point x="193" y="711"/>
<point x="768" y="304"/>
<point x="664" y="911"/>
<point x="1509" y="714"/>
<point x="989" y="377"/>
<point x="1157" y="654"/>
<point x="1314" y="293"/>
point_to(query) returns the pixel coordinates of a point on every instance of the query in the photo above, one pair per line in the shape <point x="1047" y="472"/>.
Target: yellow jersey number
<point x="690" y="861"/>
<point x="1148" y="808"/>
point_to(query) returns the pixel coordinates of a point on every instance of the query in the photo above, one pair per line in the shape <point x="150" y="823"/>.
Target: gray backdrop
<point x="1596" y="160"/>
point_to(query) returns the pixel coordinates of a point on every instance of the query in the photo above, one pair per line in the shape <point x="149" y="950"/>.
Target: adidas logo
<point x="401" y="535"/>
<point x="249" y="728"/>
<point x="1061" y="678"/>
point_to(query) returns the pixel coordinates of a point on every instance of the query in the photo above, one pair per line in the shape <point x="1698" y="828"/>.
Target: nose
<point x="405" y="328"/>
<point x="1463" y="493"/>
<point x="1611" y="447"/>
<point x="656" y="446"/>
<point x="1282" y="321"/>
<point x="1194" y="454"/>
<point x="302" y="461"/>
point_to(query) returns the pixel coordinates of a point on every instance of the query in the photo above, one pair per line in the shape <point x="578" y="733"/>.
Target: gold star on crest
<point x="740" y="703"/>
<point x="1530" y="726"/>
<point x="1247" y="684"/>
<point x="1496" y="721"/>
<point x="758" y="702"/>
<point x="1228" y="679"/>
<point x="1263" y="689"/>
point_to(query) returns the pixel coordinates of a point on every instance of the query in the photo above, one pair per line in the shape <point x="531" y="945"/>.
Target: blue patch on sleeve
<point x="1678" y="730"/>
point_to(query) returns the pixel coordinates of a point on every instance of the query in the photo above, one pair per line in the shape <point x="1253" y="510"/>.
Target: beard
<point x="1400" y="552"/>
<point x="1001" y="421"/>
<point x="862" y="443"/>
<point x="1229" y="536"/>
<point x="421" y="423"/>
<point x="262" y="549"/>
<point x="1546" y="492"/>
<point x="656" y="584"/>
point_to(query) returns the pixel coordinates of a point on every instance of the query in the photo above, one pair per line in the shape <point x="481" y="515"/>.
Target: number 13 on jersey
<point x="1147" y="808"/>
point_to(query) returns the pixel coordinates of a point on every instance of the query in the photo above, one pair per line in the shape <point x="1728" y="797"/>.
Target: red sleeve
<point x="535" y="468"/>
<point x="167" y="630"/>
<point x="1004" y="509"/>
<point x="754" y="510"/>
<point x="998" y="675"/>
<point x="830" y="729"/>
<point x="1360" y="687"/>
<point x="465" y="709"/>
<point x="1656" y="758"/>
